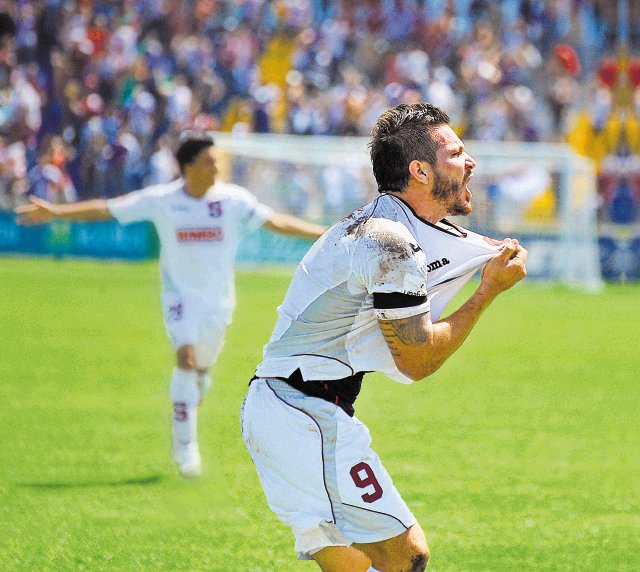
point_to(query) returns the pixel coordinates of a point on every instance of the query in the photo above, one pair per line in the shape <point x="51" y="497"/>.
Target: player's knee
<point x="414" y="559"/>
<point x="184" y="362"/>
<point x="419" y="561"/>
<point x="186" y="358"/>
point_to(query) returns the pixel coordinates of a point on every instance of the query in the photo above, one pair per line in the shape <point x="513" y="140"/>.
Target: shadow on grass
<point x="151" y="480"/>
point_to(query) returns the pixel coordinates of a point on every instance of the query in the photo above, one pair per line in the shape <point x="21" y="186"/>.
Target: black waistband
<point x="341" y="392"/>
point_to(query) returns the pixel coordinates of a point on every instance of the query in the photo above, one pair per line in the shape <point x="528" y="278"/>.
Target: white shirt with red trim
<point x="328" y="326"/>
<point x="199" y="237"/>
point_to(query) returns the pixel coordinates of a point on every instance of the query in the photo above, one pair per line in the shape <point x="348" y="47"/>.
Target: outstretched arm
<point x="420" y="346"/>
<point x="291" y="225"/>
<point x="39" y="211"/>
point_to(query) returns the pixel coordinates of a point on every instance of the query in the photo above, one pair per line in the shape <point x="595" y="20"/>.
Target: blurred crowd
<point x="93" y="93"/>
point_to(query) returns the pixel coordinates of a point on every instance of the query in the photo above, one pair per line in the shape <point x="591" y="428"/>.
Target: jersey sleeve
<point x="136" y="206"/>
<point x="252" y="214"/>
<point x="393" y="269"/>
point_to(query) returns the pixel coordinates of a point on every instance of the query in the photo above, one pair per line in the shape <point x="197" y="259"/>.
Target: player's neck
<point x="196" y="189"/>
<point x="423" y="204"/>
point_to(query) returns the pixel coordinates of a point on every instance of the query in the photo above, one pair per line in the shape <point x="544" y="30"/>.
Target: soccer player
<point x="200" y="223"/>
<point x="368" y="297"/>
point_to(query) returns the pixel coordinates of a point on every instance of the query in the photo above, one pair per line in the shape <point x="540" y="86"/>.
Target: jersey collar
<point x="453" y="230"/>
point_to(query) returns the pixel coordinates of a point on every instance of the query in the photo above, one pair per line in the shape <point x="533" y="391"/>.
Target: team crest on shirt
<point x="215" y="209"/>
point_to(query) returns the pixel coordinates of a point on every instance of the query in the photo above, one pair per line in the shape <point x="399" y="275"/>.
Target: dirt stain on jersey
<point x="356" y="229"/>
<point x="386" y="243"/>
<point x="391" y="247"/>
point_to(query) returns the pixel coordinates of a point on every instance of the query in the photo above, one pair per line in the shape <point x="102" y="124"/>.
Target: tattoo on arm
<point x="408" y="332"/>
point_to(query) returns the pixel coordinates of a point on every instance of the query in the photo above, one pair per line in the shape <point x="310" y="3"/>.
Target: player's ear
<point x="419" y="171"/>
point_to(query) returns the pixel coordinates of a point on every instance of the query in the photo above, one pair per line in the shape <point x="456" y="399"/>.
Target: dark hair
<point x="190" y="146"/>
<point x="401" y="135"/>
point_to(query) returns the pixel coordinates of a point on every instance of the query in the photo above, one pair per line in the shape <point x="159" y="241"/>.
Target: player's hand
<point x="506" y="268"/>
<point x="36" y="212"/>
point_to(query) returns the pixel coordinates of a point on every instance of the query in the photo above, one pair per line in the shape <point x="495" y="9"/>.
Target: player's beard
<point x="450" y="194"/>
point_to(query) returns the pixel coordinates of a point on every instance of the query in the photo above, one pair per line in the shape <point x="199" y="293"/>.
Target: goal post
<point x="544" y="194"/>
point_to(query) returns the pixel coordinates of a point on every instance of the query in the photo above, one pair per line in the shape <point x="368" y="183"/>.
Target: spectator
<point x="13" y="171"/>
<point x="162" y="165"/>
<point x="49" y="179"/>
<point x="75" y="68"/>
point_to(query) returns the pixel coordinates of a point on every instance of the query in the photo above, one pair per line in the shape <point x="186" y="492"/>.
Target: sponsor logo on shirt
<point x="207" y="234"/>
<point x="437" y="264"/>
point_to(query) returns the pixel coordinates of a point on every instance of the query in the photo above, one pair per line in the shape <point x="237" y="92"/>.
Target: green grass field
<point x="522" y="453"/>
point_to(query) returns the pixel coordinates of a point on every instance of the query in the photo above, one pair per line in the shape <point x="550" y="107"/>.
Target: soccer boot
<point x="188" y="458"/>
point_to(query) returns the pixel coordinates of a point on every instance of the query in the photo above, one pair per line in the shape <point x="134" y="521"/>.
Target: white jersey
<point x="199" y="237"/>
<point x="328" y="325"/>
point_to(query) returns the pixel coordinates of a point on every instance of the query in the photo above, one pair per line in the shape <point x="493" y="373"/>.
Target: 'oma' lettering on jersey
<point x="437" y="264"/>
<point x="199" y="234"/>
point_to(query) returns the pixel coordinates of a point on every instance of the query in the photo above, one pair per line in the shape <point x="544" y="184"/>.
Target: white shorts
<point x="317" y="469"/>
<point x="189" y="323"/>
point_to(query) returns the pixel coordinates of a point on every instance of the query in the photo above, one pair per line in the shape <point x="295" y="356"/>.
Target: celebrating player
<point x="200" y="223"/>
<point x="368" y="297"/>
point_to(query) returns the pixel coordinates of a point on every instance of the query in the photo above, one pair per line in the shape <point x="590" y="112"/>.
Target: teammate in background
<point x="200" y="223"/>
<point x="368" y="297"/>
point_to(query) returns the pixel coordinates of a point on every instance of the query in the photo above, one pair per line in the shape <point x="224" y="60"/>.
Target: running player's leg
<point x="181" y="320"/>
<point x="204" y="382"/>
<point x="185" y="398"/>
<point x="207" y="349"/>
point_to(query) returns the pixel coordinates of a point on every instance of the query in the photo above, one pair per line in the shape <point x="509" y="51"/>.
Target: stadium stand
<point x="92" y="93"/>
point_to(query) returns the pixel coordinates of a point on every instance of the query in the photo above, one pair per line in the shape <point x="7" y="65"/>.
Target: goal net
<point x="541" y="193"/>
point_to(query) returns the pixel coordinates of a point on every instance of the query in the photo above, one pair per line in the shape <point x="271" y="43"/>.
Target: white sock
<point x="184" y="396"/>
<point x="204" y="383"/>
<point x="372" y="569"/>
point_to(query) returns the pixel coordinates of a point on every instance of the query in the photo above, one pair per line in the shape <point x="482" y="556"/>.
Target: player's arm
<point x="293" y="226"/>
<point x="420" y="346"/>
<point x="39" y="211"/>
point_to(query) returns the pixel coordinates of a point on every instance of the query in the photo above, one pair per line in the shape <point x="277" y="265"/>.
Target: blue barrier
<point x="619" y="259"/>
<point x="137" y="241"/>
<point x="263" y="246"/>
<point x="112" y="240"/>
<point x="60" y="238"/>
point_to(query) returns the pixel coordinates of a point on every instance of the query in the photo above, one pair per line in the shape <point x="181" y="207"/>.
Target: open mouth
<point x="465" y="184"/>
